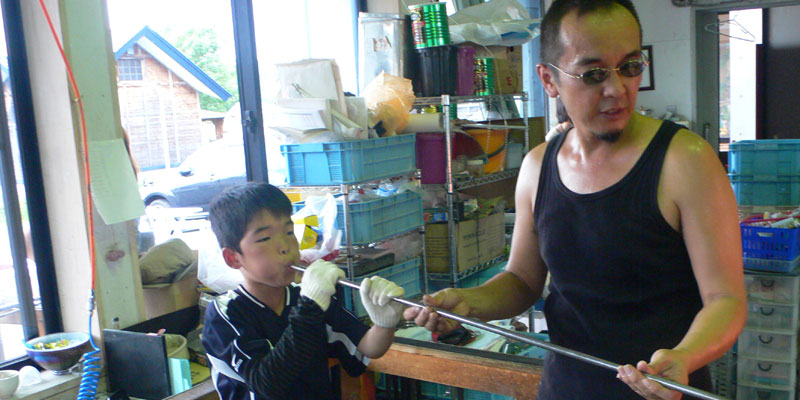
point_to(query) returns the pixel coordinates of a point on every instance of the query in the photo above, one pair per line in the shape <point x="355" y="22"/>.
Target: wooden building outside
<point x="159" y="89"/>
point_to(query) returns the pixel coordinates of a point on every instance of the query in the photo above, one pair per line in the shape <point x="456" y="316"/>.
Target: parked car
<point x="209" y="170"/>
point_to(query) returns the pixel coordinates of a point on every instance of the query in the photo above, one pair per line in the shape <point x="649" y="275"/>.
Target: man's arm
<point x="696" y="197"/>
<point x="710" y="226"/>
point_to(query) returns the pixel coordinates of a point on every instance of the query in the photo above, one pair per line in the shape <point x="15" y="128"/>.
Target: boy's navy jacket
<point x="257" y="354"/>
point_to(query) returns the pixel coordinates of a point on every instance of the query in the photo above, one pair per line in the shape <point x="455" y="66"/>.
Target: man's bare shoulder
<point x="533" y="160"/>
<point x="690" y="147"/>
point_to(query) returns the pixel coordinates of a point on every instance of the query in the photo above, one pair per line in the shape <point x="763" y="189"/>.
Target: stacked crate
<point x="765" y="175"/>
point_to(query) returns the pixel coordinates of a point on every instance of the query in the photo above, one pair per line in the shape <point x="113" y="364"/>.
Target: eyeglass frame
<point x="644" y="61"/>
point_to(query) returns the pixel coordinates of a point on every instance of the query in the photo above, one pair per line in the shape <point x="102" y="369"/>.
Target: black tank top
<point x="621" y="282"/>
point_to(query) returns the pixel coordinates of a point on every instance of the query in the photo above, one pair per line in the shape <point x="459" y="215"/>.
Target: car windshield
<point x="220" y="157"/>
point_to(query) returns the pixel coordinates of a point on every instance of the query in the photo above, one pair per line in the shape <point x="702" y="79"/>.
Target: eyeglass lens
<point x="629" y="69"/>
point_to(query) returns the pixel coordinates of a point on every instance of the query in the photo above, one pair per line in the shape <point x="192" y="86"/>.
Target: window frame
<point x="126" y="69"/>
<point x="31" y="170"/>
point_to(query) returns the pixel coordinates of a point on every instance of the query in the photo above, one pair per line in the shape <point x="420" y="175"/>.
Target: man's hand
<point x="376" y="296"/>
<point x="664" y="363"/>
<point x="319" y="282"/>
<point x="447" y="299"/>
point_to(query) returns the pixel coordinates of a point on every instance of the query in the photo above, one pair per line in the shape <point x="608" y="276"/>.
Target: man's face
<point x="601" y="39"/>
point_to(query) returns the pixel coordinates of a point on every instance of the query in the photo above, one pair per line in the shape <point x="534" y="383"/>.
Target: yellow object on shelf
<point x="199" y="373"/>
<point x="493" y="142"/>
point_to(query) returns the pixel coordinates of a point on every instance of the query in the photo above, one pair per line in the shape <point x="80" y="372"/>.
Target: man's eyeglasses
<point x="594" y="76"/>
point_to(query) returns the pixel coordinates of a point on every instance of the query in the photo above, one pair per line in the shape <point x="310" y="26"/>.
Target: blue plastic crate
<point x="406" y="275"/>
<point x="473" y="280"/>
<point x="770" y="249"/>
<point x="470" y="394"/>
<point x="379" y="219"/>
<point x="769" y="191"/>
<point x="334" y="163"/>
<point x="767" y="158"/>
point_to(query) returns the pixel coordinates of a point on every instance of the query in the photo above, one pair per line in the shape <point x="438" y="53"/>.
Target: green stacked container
<point x="429" y="27"/>
<point x="484" y="76"/>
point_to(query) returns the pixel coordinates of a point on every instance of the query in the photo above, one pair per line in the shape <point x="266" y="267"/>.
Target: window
<point x="28" y="296"/>
<point x="130" y="69"/>
<point x="186" y="50"/>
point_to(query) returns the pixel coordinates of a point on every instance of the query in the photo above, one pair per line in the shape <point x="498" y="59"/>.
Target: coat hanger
<point x="715" y="28"/>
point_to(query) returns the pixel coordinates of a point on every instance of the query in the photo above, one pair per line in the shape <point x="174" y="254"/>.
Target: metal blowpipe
<point x="685" y="389"/>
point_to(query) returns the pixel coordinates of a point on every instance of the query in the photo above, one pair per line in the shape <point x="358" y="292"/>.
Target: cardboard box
<point x="508" y="61"/>
<point x="165" y="298"/>
<point x="477" y="241"/>
<point x="437" y="250"/>
<point x="491" y="237"/>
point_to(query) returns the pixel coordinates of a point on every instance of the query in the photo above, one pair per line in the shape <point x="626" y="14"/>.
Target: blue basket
<point x="374" y="220"/>
<point x="473" y="280"/>
<point x="379" y="219"/>
<point x="769" y="191"/>
<point x="765" y="158"/>
<point x="770" y="249"/>
<point x="354" y="161"/>
<point x="405" y="275"/>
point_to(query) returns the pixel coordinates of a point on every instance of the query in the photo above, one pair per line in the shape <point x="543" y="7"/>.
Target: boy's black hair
<point x="550" y="28"/>
<point x="231" y="210"/>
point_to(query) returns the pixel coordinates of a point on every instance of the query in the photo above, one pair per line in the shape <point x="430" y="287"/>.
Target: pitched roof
<point x="176" y="61"/>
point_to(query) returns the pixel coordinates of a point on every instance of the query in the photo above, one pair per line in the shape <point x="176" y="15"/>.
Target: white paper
<point x="315" y="78"/>
<point x="114" y="188"/>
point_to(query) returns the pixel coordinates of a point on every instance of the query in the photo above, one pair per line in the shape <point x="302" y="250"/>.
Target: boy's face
<point x="269" y="249"/>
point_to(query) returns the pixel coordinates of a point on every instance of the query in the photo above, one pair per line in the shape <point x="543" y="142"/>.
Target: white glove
<point x="376" y="296"/>
<point x="319" y="282"/>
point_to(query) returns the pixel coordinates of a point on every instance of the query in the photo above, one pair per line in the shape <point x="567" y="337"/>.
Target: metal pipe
<point x="685" y="389"/>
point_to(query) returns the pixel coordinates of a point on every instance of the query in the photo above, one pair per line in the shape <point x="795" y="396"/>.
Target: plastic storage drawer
<point x="771" y="288"/>
<point x="768" y="345"/>
<point x="773" y="374"/>
<point x="406" y="275"/>
<point x="766" y="191"/>
<point x="354" y="161"/>
<point x="772" y="316"/>
<point x="777" y="249"/>
<point x="773" y="157"/>
<point x="757" y="393"/>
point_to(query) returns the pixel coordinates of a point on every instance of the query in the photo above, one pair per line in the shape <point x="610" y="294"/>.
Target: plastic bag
<point x="324" y="207"/>
<point x="389" y="99"/>
<point x="211" y="267"/>
<point x="499" y="22"/>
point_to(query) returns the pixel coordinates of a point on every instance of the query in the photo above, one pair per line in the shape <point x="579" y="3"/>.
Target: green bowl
<point x="59" y="360"/>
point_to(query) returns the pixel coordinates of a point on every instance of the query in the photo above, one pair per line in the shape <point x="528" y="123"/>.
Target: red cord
<point x="85" y="146"/>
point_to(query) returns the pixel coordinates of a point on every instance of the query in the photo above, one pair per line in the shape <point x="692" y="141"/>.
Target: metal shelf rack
<point x="453" y="184"/>
<point x="344" y="189"/>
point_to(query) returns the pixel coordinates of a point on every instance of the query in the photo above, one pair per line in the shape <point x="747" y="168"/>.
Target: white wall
<point x="669" y="30"/>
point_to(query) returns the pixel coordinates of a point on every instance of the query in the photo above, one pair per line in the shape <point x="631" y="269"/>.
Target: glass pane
<point x="11" y="329"/>
<point x="178" y="97"/>
<point x="291" y="31"/>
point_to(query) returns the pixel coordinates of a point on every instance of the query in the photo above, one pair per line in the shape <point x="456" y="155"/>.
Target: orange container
<point x="493" y="142"/>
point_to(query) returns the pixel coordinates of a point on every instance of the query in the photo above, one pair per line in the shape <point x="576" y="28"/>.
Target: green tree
<point x="202" y="47"/>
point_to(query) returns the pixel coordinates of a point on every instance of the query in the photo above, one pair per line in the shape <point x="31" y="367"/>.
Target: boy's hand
<point x="319" y="282"/>
<point x="376" y="296"/>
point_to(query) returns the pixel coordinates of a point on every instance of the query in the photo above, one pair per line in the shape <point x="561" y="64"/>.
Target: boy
<point x="269" y="338"/>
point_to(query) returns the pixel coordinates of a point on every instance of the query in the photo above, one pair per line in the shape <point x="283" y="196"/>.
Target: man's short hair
<point x="552" y="48"/>
<point x="232" y="210"/>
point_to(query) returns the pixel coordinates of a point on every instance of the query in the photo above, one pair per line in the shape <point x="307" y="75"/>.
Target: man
<point x="633" y="218"/>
